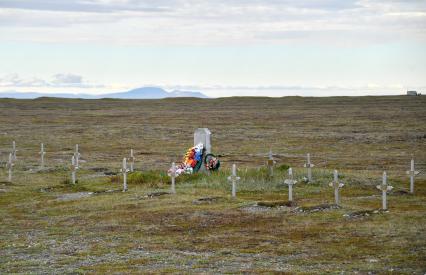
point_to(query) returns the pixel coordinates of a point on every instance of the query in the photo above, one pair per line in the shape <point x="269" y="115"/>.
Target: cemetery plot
<point x="249" y="219"/>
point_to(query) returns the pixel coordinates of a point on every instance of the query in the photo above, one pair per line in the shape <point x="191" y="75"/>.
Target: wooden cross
<point x="77" y="156"/>
<point x="9" y="166"/>
<point x="42" y="153"/>
<point x="271" y="163"/>
<point x="173" y="176"/>
<point x="14" y="151"/>
<point x="74" y="168"/>
<point x="309" y="166"/>
<point x="384" y="187"/>
<point x="336" y="185"/>
<point x="132" y="160"/>
<point x="412" y="173"/>
<point x="124" y="170"/>
<point x="290" y="182"/>
<point x="233" y="178"/>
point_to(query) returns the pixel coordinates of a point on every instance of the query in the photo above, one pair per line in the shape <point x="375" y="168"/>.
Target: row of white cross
<point x="290" y="181"/>
<point x="233" y="178"/>
<point x="75" y="163"/>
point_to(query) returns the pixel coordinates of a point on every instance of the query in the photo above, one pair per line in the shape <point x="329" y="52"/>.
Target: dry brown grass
<point x="130" y="233"/>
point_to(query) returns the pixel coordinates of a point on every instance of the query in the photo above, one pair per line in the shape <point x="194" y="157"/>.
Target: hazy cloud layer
<point x="57" y="81"/>
<point x="190" y="22"/>
<point x="63" y="82"/>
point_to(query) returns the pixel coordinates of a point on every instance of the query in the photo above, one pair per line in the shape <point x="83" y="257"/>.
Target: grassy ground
<point x="44" y="231"/>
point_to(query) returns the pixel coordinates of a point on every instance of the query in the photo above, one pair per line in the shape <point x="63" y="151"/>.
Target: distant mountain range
<point x="139" y="93"/>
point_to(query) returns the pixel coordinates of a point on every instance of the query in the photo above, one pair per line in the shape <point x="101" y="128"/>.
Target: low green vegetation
<point x="202" y="229"/>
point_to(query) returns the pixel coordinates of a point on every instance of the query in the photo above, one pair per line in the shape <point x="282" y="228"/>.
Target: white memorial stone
<point x="309" y="166"/>
<point x="42" y="153"/>
<point x="9" y="166"/>
<point x="412" y="173"/>
<point x="124" y="170"/>
<point x="290" y="182"/>
<point x="233" y="179"/>
<point x="203" y="135"/>
<point x="132" y="160"/>
<point x="173" y="177"/>
<point x="384" y="187"/>
<point x="336" y="185"/>
<point x="74" y="168"/>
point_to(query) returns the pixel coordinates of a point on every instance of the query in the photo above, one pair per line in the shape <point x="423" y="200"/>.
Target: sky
<point x="218" y="47"/>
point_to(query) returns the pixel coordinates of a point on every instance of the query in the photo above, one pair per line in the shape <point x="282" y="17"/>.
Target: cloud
<point x="90" y="6"/>
<point x="67" y="79"/>
<point x="57" y="81"/>
<point x="203" y="22"/>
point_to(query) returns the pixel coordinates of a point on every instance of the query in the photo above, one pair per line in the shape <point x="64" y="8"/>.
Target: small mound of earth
<point x="108" y="191"/>
<point x="256" y="209"/>
<point x="74" y="196"/>
<point x="109" y="173"/>
<point x="317" y="208"/>
<point x="156" y="194"/>
<point x="37" y="169"/>
<point x="400" y="193"/>
<point x="364" y="213"/>
<point x="269" y="206"/>
<point x="276" y="203"/>
<point x="47" y="189"/>
<point x="4" y="183"/>
<point x="206" y="200"/>
<point x="99" y="169"/>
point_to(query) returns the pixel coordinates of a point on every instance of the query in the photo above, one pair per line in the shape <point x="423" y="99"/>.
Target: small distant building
<point x="412" y="93"/>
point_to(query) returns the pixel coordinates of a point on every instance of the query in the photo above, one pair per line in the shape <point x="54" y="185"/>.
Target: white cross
<point x="173" y="175"/>
<point x="9" y="166"/>
<point x="42" y="153"/>
<point x="74" y="168"/>
<point x="233" y="178"/>
<point x="290" y="182"/>
<point x="77" y="156"/>
<point x="14" y="151"/>
<point x="124" y="170"/>
<point x="271" y="163"/>
<point x="336" y="185"/>
<point x="309" y="166"/>
<point x="132" y="160"/>
<point x="412" y="173"/>
<point x="385" y="188"/>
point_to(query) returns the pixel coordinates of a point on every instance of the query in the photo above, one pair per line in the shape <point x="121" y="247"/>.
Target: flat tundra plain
<point x="50" y="226"/>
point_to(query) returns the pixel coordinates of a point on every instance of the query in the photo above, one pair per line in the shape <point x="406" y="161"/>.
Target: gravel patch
<point x="74" y="196"/>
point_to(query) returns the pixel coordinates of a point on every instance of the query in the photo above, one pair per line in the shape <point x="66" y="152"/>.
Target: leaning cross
<point x="77" y="155"/>
<point x="412" y="173"/>
<point x="74" y="168"/>
<point x="124" y="170"/>
<point x="336" y="185"/>
<point x="233" y="179"/>
<point x="271" y="163"/>
<point x="9" y="166"/>
<point x="290" y="182"/>
<point x="309" y="166"/>
<point x="14" y="151"/>
<point x="384" y="187"/>
<point x="132" y="160"/>
<point x="173" y="175"/>
<point x="42" y="153"/>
